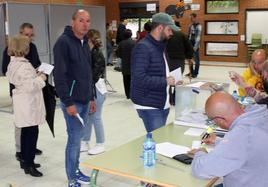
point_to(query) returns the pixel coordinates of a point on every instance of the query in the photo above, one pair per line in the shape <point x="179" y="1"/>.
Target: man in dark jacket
<point x="194" y="33"/>
<point x="179" y="48"/>
<point x="26" y="29"/>
<point x="150" y="78"/>
<point x="124" y="52"/>
<point x="74" y="86"/>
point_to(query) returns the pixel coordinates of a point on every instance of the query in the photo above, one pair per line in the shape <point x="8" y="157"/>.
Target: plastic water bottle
<point x="149" y="155"/>
<point x="235" y="95"/>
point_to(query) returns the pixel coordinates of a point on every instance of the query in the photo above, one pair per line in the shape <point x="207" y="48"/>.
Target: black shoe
<point x="22" y="165"/>
<point x="194" y="76"/>
<point x="33" y="172"/>
<point x="38" y="152"/>
<point x="18" y="156"/>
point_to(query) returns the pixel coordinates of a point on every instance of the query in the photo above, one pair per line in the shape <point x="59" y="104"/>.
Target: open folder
<point x="177" y="152"/>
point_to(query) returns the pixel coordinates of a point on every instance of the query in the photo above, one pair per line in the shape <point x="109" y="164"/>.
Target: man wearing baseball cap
<point x="150" y="78"/>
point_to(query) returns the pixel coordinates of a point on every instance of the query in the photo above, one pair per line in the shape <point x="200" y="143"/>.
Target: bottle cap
<point x="149" y="135"/>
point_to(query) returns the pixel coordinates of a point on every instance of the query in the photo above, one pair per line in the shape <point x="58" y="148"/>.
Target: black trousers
<point x="29" y="137"/>
<point x="127" y="80"/>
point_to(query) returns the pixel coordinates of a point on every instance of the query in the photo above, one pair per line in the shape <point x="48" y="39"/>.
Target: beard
<point x="163" y="37"/>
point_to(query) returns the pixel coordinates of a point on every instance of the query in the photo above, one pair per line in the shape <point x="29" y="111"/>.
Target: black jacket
<point x="73" y="69"/>
<point x="98" y="62"/>
<point x="32" y="56"/>
<point x="179" y="47"/>
<point x="124" y="52"/>
<point x="120" y="33"/>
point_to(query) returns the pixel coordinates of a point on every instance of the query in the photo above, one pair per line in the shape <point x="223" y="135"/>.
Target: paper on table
<point x="176" y="74"/>
<point x="80" y="119"/>
<point x="196" y="84"/>
<point x="194" y="132"/>
<point x="191" y="124"/>
<point x="45" y="68"/>
<point x="170" y="150"/>
<point x="196" y="144"/>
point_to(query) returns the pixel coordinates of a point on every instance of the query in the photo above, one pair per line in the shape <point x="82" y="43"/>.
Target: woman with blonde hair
<point x="95" y="119"/>
<point x="28" y="102"/>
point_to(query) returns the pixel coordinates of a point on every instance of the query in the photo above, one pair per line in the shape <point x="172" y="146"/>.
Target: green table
<point x="125" y="161"/>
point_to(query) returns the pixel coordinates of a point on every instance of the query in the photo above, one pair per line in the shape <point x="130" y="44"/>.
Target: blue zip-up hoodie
<point x="148" y="73"/>
<point x="73" y="69"/>
<point x="241" y="157"/>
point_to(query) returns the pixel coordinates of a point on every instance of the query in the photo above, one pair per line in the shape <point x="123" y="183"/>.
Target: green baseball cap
<point x="165" y="19"/>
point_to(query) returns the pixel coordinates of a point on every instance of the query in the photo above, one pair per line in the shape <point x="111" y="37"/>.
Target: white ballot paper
<point x="45" y="68"/>
<point x="80" y="119"/>
<point x="176" y="74"/>
<point x="194" y="132"/>
<point x="170" y="150"/>
<point x="101" y="86"/>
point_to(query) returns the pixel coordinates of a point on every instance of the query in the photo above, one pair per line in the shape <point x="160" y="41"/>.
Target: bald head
<point x="80" y="23"/>
<point x="222" y="107"/>
<point x="258" y="58"/>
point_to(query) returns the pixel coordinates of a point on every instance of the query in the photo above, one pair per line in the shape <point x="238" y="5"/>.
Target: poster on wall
<point x="195" y="6"/>
<point x="221" y="7"/>
<point x="222" y="27"/>
<point x="221" y="49"/>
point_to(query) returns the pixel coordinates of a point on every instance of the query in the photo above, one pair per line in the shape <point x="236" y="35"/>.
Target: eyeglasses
<point x="211" y="121"/>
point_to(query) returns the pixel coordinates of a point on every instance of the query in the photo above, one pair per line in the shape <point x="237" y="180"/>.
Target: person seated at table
<point x="252" y="75"/>
<point x="241" y="156"/>
<point x="251" y="91"/>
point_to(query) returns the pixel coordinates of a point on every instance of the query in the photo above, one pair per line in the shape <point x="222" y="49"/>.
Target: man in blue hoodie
<point x="73" y="82"/>
<point x="150" y="79"/>
<point x="241" y="156"/>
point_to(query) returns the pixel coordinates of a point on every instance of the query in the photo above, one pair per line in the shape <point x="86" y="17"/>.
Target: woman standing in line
<point x="95" y="119"/>
<point x="28" y="102"/>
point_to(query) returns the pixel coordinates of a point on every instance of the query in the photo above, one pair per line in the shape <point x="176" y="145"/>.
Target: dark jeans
<point x="29" y="137"/>
<point x="219" y="185"/>
<point x="195" y="71"/>
<point x="127" y="80"/>
<point x="153" y="118"/>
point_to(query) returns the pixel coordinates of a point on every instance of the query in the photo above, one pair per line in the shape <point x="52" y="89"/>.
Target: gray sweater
<point x="241" y="157"/>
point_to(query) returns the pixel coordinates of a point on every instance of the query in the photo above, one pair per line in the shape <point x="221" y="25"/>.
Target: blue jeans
<point x="96" y="120"/>
<point x="153" y="118"/>
<point x="75" y="132"/>
<point x="219" y="185"/>
<point x="195" y="71"/>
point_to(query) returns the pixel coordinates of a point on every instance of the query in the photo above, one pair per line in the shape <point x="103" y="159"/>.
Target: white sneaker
<point x="84" y="146"/>
<point x="99" y="148"/>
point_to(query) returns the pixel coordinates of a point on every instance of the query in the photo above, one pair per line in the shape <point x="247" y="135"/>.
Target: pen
<point x="206" y="135"/>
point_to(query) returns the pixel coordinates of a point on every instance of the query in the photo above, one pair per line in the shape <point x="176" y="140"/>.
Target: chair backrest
<point x="256" y="39"/>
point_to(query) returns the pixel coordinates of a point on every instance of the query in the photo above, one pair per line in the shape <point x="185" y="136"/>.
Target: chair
<point x="256" y="43"/>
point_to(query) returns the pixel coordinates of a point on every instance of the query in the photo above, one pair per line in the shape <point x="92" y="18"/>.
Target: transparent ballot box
<point x="190" y="101"/>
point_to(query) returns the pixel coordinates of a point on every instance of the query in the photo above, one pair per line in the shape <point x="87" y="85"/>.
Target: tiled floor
<point x="118" y="115"/>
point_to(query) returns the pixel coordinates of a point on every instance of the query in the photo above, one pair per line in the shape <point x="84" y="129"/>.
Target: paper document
<point x="195" y="85"/>
<point x="45" y="68"/>
<point x="176" y="74"/>
<point x="191" y="124"/>
<point x="101" y="86"/>
<point x="170" y="150"/>
<point x="80" y="119"/>
<point x="196" y="144"/>
<point x="194" y="132"/>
